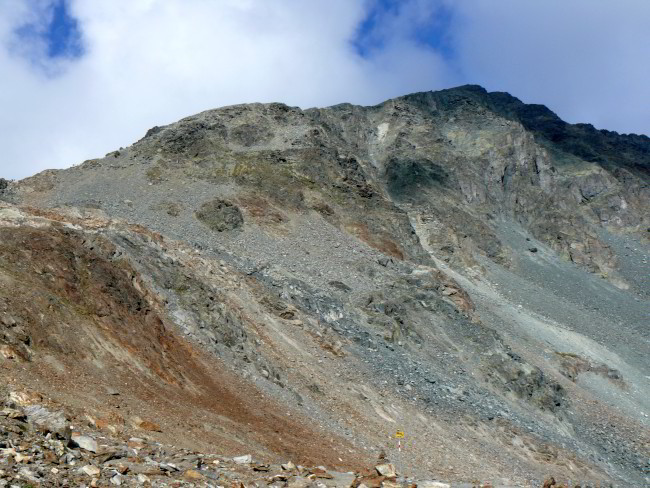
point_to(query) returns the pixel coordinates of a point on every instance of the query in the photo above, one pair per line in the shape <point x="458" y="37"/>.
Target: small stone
<point x="9" y="352"/>
<point x="142" y="478"/>
<point x="10" y="451"/>
<point x="247" y="459"/>
<point x="28" y="474"/>
<point x="448" y="291"/>
<point x="22" y="458"/>
<point x="8" y="320"/>
<point x="150" y="426"/>
<point x="390" y="484"/>
<point x="192" y="474"/>
<point x="549" y="483"/>
<point x="320" y="472"/>
<point x="387" y="470"/>
<point x="299" y="482"/>
<point x="116" y="480"/>
<point x="136" y="443"/>
<point x="532" y="249"/>
<point x="432" y="484"/>
<point x="84" y="442"/>
<point x="13" y="414"/>
<point x="288" y="466"/>
<point x="342" y="480"/>
<point x="24" y="399"/>
<point x="91" y="470"/>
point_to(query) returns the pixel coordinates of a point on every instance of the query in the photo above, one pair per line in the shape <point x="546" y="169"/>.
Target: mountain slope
<point x="457" y="265"/>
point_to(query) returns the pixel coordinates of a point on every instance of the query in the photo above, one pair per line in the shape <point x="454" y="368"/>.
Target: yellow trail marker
<point x="399" y="434"/>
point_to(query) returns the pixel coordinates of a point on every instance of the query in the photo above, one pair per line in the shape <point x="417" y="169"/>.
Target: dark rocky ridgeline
<point x="457" y="265"/>
<point x="608" y="148"/>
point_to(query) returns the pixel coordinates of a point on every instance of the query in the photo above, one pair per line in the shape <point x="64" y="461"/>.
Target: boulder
<point x="220" y="215"/>
<point x="84" y="442"/>
<point x="246" y="459"/>
<point x="48" y="421"/>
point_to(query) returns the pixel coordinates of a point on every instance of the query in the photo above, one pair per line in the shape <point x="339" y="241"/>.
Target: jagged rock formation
<point x="456" y="265"/>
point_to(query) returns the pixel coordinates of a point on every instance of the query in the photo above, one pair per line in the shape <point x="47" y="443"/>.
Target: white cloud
<point x="151" y="62"/>
<point x="586" y="60"/>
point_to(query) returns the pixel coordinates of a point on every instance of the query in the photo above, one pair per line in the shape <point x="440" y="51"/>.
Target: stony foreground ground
<point x="39" y="447"/>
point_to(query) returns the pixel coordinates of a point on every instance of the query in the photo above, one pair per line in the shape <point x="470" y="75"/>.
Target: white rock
<point x="432" y="484"/>
<point x="22" y="458"/>
<point x="387" y="470"/>
<point x="116" y="480"/>
<point x="7" y="452"/>
<point x="247" y="459"/>
<point x="91" y="470"/>
<point x="85" y="442"/>
<point x="142" y="478"/>
<point x="390" y="484"/>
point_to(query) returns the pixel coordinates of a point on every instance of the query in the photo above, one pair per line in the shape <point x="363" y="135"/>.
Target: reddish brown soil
<point x="382" y="243"/>
<point x="90" y="328"/>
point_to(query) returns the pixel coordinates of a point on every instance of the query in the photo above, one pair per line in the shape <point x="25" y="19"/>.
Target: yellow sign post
<point x="399" y="434"/>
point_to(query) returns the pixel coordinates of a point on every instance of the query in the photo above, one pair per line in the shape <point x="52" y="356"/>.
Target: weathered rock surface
<point x="455" y="266"/>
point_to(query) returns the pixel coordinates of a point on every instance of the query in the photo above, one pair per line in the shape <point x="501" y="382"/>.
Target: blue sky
<point x="57" y="29"/>
<point x="83" y="77"/>
<point x="432" y="28"/>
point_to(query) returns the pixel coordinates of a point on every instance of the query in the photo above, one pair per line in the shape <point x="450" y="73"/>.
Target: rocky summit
<point x="447" y="289"/>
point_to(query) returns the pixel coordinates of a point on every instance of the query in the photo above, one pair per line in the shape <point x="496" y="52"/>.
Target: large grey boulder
<point x="48" y="421"/>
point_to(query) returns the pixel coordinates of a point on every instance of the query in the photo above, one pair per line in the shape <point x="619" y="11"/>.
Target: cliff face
<point x="457" y="264"/>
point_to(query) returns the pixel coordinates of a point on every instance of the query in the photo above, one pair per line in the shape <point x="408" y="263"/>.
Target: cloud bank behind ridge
<point x="150" y="62"/>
